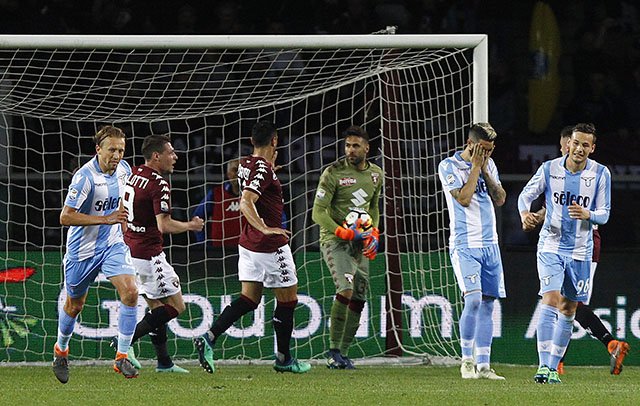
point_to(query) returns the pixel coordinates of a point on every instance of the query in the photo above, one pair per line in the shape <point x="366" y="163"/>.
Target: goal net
<point x="415" y="95"/>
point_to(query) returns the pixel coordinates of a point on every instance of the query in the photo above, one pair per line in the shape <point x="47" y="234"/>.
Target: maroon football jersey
<point x="146" y="195"/>
<point x="256" y="174"/>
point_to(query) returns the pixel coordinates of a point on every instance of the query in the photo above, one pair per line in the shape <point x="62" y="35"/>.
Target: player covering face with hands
<point x="472" y="186"/>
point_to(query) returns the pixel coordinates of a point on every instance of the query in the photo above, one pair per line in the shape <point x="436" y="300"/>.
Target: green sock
<point x="351" y="325"/>
<point x="338" y="318"/>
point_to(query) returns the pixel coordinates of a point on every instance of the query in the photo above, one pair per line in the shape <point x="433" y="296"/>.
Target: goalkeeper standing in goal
<point x="471" y="187"/>
<point x="265" y="258"/>
<point x="95" y="213"/>
<point x="350" y="183"/>
<point x="147" y="198"/>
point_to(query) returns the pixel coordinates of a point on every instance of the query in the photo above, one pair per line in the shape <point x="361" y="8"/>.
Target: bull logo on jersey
<point x="375" y="177"/>
<point x="587" y="180"/>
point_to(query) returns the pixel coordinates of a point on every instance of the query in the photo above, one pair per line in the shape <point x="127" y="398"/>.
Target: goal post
<point x="415" y="94"/>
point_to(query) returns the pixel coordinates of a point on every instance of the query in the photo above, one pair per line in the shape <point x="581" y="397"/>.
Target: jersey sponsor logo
<point x="164" y="206"/>
<point x="107" y="204"/>
<point x="320" y="193"/>
<point x="233" y="206"/>
<point x="451" y="179"/>
<point x="556" y="177"/>
<point x="567" y="198"/>
<point x="136" y="229"/>
<point x="359" y="197"/>
<point x="587" y="180"/>
<point x="347" y="181"/>
<point x="375" y="177"/>
<point x="73" y="193"/>
<point x="100" y="184"/>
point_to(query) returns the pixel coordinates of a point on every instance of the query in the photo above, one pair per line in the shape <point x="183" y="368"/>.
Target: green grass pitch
<point x="368" y="385"/>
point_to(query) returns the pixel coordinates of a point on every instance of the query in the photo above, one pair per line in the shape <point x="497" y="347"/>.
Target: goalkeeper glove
<point x="353" y="233"/>
<point x="371" y="243"/>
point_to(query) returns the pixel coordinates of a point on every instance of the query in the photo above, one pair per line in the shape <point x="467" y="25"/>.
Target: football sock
<point x="544" y="332"/>
<point x="159" y="341"/>
<point x="66" y="324"/>
<point x="484" y="333"/>
<point x="468" y="321"/>
<point x="232" y="313"/>
<point x="592" y="323"/>
<point x="351" y="324"/>
<point x="338" y="318"/>
<point x="126" y="326"/>
<point x="283" y="326"/>
<point x="561" y="338"/>
<point x="154" y="319"/>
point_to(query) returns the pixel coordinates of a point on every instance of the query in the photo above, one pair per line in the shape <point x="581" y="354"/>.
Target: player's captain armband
<point x="320" y="194"/>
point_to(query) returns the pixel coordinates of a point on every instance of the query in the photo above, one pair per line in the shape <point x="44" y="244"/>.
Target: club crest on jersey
<point x="347" y="181"/>
<point x="587" y="180"/>
<point x="375" y="177"/>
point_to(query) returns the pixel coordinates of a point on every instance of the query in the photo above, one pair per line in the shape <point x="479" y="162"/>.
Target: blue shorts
<point x="78" y="275"/>
<point x="565" y="274"/>
<point x="479" y="269"/>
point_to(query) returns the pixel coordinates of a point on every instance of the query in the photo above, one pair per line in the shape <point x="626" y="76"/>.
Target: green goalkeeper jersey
<point x="342" y="187"/>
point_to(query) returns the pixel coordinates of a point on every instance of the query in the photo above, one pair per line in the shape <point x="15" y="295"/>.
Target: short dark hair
<point x="355" y="131"/>
<point x="587" y="128"/>
<point x="482" y="131"/>
<point x="262" y="133"/>
<point x="106" y="132"/>
<point x="566" y="131"/>
<point x="154" y="143"/>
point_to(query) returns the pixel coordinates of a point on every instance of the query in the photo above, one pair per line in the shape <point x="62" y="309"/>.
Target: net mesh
<point x="415" y="104"/>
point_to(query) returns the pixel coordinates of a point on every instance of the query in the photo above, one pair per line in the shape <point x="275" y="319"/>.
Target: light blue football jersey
<point x="590" y="188"/>
<point x="473" y="226"/>
<point x="98" y="194"/>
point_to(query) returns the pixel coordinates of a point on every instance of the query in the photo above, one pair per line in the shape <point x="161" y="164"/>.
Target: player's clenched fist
<point x="196" y="224"/>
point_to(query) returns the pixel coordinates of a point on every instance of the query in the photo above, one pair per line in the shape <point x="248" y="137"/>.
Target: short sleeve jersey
<point x="590" y="188"/>
<point x="95" y="193"/>
<point x="256" y="175"/>
<point x="342" y="188"/>
<point x="146" y="195"/>
<point x="473" y="226"/>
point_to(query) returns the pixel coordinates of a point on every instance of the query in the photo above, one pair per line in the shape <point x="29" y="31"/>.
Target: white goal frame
<point x="477" y="42"/>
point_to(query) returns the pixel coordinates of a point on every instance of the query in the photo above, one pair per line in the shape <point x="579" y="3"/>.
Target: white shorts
<point x="272" y="269"/>
<point x="156" y="278"/>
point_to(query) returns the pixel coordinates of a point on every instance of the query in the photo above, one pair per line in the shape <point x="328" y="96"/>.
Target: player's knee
<point x="129" y="295"/>
<point x="73" y="308"/>
<point x="180" y="307"/>
<point x="472" y="301"/>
